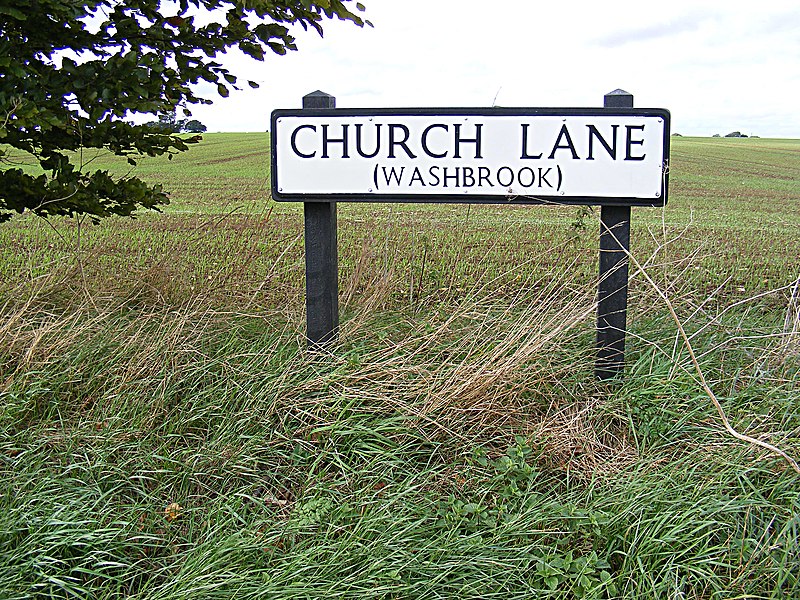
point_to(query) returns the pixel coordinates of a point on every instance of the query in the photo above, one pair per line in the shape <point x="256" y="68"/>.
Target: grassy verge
<point x="165" y="434"/>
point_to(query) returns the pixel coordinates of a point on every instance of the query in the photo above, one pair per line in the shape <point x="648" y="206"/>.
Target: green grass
<point x="454" y="444"/>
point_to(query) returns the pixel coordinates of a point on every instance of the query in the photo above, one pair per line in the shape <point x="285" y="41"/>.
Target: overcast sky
<point x="718" y="66"/>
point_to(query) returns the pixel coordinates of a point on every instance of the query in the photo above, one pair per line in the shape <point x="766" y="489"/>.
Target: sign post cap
<point x="618" y="99"/>
<point x="319" y="99"/>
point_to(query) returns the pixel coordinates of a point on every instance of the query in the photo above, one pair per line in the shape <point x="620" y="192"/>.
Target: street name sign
<point x="608" y="156"/>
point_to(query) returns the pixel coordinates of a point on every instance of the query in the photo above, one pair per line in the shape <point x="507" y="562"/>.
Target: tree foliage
<point x="194" y="126"/>
<point x="170" y="123"/>
<point x="72" y="72"/>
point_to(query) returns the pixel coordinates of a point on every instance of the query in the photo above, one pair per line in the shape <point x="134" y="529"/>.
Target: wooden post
<point x="612" y="289"/>
<point x="322" y="259"/>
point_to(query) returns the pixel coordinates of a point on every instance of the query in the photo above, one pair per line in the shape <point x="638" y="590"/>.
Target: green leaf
<point x="277" y="48"/>
<point x="12" y="12"/>
<point x="223" y="91"/>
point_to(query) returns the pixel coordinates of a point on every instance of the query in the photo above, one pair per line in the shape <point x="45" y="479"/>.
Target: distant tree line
<point x="734" y="134"/>
<point x="168" y="122"/>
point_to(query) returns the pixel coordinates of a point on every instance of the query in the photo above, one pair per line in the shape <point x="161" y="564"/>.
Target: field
<point x="165" y="434"/>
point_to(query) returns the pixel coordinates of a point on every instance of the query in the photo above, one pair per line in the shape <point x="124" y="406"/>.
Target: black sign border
<point x="462" y="198"/>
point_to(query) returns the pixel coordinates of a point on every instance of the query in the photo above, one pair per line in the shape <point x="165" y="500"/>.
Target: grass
<point x="165" y="434"/>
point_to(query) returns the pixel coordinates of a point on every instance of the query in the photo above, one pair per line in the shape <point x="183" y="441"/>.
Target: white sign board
<point x="570" y="156"/>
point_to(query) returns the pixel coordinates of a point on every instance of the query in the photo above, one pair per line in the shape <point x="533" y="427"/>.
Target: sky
<point x="717" y="66"/>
